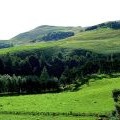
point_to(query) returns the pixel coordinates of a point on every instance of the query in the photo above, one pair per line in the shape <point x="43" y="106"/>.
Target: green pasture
<point x="95" y="98"/>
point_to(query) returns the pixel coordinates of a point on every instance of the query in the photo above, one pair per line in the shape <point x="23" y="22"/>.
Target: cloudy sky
<point x="18" y="16"/>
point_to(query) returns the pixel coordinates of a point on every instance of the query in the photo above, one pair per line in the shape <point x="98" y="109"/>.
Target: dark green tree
<point x="1" y="66"/>
<point x="35" y="64"/>
<point x="44" y="75"/>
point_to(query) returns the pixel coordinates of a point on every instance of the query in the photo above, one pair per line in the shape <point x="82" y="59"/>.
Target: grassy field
<point x="100" y="41"/>
<point x="93" y="99"/>
<point x="30" y="117"/>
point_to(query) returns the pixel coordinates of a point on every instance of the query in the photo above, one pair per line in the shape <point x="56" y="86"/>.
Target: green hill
<point x="37" y="33"/>
<point x="101" y="31"/>
<point x="102" y="40"/>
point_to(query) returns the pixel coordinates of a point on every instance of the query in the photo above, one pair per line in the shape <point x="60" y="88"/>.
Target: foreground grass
<point x="30" y="117"/>
<point x="95" y="98"/>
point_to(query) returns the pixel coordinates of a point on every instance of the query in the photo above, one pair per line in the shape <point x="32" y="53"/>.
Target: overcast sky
<point x="18" y="16"/>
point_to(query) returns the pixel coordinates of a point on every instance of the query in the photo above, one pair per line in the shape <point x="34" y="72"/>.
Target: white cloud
<point x="18" y="16"/>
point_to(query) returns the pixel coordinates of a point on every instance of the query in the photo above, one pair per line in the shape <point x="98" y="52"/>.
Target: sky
<point x="17" y="16"/>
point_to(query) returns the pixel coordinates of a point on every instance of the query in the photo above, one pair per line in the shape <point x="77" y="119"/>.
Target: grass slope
<point x="38" y="32"/>
<point x="95" y="98"/>
<point x="100" y="41"/>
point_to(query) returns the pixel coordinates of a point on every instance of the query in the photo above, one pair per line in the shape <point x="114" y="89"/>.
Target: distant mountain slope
<point x="102" y="40"/>
<point x="37" y="33"/>
<point x="49" y="33"/>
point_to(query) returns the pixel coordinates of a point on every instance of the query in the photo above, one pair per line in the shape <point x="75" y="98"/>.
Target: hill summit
<point x="49" y="33"/>
<point x="39" y="32"/>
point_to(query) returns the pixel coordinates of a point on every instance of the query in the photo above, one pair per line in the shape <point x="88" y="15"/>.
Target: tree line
<point x="57" y="35"/>
<point x="47" y="71"/>
<point x="113" y="25"/>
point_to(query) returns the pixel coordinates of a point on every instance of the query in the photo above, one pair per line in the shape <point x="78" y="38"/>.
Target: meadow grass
<point x="100" y="41"/>
<point x="30" y="117"/>
<point x="93" y="99"/>
<point x="89" y="101"/>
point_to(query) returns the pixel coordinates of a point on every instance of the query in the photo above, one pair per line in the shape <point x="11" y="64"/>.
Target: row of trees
<point x="63" y="68"/>
<point x="113" y="25"/>
<point x="29" y="84"/>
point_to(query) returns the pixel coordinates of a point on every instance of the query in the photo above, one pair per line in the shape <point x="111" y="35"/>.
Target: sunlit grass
<point x="100" y="41"/>
<point x="95" y="98"/>
<point x="30" y="117"/>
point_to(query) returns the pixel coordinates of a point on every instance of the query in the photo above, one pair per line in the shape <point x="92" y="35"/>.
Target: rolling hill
<point x="83" y="52"/>
<point x="102" y="40"/>
<point x="42" y="33"/>
<point x="37" y="33"/>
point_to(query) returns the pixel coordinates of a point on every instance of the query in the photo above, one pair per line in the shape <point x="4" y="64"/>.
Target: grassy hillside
<point x="101" y="41"/>
<point x="39" y="32"/>
<point x="93" y="99"/>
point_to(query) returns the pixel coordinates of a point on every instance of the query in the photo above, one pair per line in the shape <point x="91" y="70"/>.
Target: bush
<point x="116" y="97"/>
<point x="116" y="94"/>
